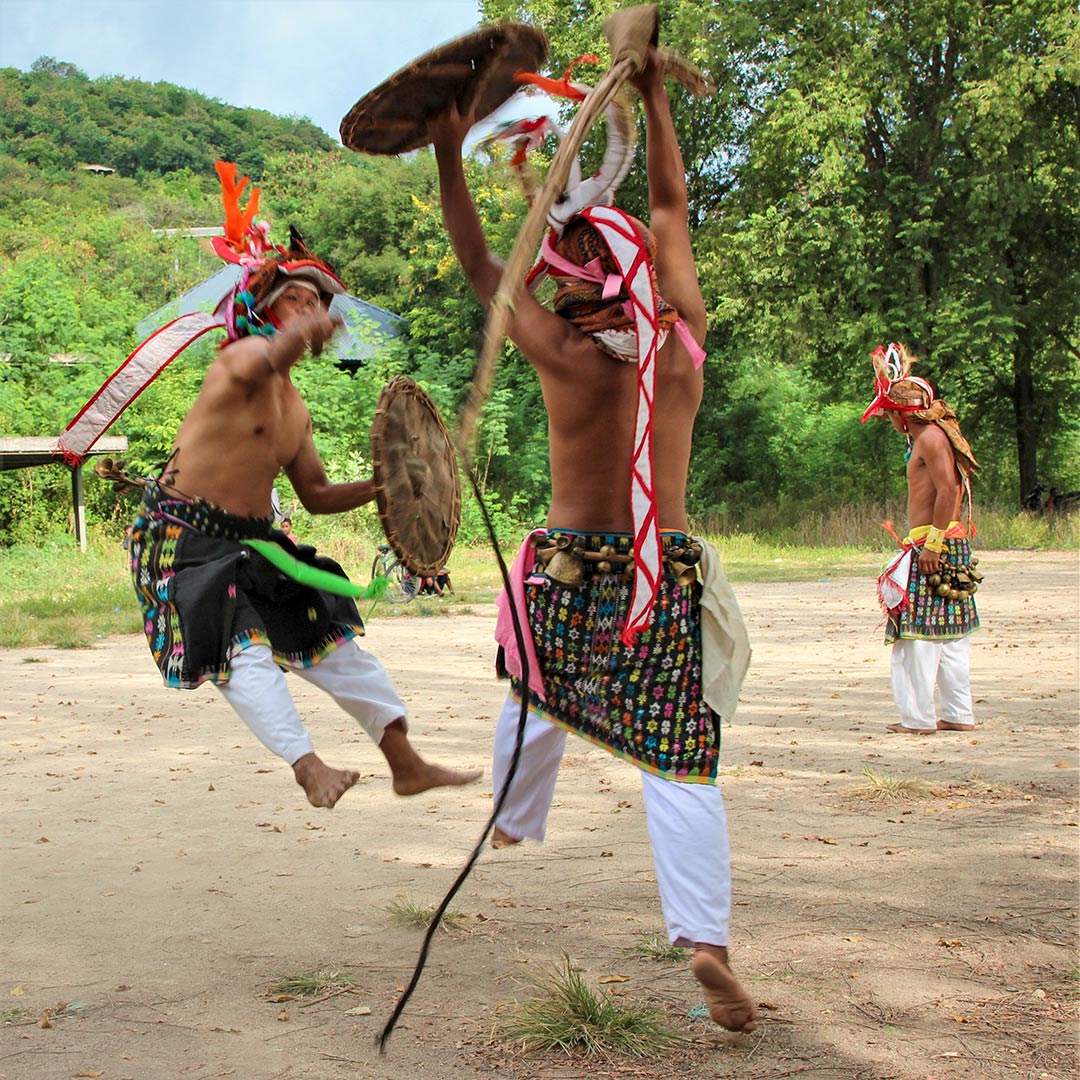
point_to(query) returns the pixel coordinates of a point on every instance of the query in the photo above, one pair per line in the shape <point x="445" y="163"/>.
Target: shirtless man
<point x="214" y="609"/>
<point x="592" y="400"/>
<point x="930" y="633"/>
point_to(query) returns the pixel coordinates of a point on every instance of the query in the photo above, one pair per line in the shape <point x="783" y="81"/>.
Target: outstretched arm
<point x="315" y="491"/>
<point x="668" y="205"/>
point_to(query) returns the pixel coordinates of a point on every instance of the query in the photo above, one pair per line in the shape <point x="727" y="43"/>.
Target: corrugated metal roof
<point x="368" y="327"/>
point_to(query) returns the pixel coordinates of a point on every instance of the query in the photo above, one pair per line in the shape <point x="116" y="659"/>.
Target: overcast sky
<point x="238" y="50"/>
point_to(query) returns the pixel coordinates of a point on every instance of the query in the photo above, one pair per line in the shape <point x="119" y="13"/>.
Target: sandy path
<point x="159" y="869"/>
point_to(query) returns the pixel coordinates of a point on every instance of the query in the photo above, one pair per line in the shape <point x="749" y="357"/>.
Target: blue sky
<point x="235" y="50"/>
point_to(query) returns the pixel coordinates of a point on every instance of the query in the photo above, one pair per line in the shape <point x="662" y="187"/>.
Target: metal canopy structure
<point x="24" y="453"/>
<point x="367" y="327"/>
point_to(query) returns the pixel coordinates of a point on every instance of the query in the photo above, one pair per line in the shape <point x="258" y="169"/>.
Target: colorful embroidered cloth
<point x="642" y="702"/>
<point x="924" y="614"/>
<point x="205" y="596"/>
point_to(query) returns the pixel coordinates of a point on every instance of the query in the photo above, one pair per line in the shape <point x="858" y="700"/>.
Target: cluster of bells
<point x="114" y="471"/>
<point x="955" y="581"/>
<point x="564" y="559"/>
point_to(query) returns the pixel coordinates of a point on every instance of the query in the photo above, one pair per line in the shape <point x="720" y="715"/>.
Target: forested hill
<point x="56" y="118"/>
<point x="908" y="172"/>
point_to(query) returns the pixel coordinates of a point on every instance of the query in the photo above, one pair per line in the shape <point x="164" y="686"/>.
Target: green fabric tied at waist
<point x="312" y="576"/>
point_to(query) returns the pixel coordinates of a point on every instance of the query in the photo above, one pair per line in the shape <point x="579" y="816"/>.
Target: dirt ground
<point x="160" y="870"/>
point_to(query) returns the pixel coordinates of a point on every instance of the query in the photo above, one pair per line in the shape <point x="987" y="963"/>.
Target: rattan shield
<point x="476" y="70"/>
<point x="417" y="486"/>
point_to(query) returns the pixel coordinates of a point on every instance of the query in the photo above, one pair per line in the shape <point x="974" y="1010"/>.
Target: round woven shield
<point x="417" y="486"/>
<point x="476" y="70"/>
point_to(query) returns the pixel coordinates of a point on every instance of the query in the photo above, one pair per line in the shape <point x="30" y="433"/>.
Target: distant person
<point x="214" y="609"/>
<point x="127" y="537"/>
<point x="436" y="584"/>
<point x="616" y="608"/>
<point x="442" y="581"/>
<point x="927" y="590"/>
<point x="287" y="529"/>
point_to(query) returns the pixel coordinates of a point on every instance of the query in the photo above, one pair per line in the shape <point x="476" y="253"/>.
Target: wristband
<point x="935" y="539"/>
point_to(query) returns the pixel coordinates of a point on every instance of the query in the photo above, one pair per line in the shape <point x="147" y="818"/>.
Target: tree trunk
<point x="1027" y="427"/>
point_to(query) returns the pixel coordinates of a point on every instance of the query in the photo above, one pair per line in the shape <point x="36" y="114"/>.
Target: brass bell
<point x="565" y="569"/>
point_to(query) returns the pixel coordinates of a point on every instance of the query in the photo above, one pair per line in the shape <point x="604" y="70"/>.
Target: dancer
<point x="214" y="609"/>
<point x="927" y="590"/>
<point x="622" y="602"/>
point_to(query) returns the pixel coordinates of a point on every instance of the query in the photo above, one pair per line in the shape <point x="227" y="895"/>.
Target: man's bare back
<point x="591" y="407"/>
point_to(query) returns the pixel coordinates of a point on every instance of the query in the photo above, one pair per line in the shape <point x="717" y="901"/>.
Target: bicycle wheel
<point x="378" y="567"/>
<point x="402" y="583"/>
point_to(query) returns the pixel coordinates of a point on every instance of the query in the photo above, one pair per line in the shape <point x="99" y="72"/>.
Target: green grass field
<point x="53" y="594"/>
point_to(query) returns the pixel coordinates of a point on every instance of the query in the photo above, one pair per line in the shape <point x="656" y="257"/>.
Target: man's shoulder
<point x="243" y="359"/>
<point x="547" y="340"/>
<point x="932" y="440"/>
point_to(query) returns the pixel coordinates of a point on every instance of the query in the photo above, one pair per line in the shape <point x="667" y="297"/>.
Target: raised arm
<point x="459" y="211"/>
<point x="676" y="272"/>
<point x="541" y="335"/>
<point x="254" y="358"/>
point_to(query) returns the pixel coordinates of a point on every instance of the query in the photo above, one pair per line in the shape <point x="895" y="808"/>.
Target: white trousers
<point x="686" y="822"/>
<point x="920" y="666"/>
<point x="355" y="679"/>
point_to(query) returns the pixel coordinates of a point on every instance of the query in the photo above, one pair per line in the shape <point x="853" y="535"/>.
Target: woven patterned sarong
<point x="928" y="616"/>
<point x="642" y="702"/>
<point x="205" y="596"/>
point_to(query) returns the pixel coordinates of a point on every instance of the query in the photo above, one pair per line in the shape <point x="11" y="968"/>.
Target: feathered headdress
<point x="897" y="390"/>
<point x="266" y="266"/>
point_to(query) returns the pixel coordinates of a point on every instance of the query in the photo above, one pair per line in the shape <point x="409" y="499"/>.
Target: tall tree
<point x="904" y="169"/>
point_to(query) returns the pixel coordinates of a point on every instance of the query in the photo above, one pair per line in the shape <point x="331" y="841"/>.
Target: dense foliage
<point x="864" y="172"/>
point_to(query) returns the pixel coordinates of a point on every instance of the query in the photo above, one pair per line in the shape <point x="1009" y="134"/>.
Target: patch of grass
<point x="885" y="789"/>
<point x="54" y="594"/>
<point x="570" y="1016"/>
<point x="13" y="1016"/>
<point x="654" y="947"/>
<point x="404" y="911"/>
<point x="311" y="984"/>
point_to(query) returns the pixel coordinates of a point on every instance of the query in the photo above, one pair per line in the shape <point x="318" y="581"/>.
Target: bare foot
<point x="499" y="839"/>
<point x="729" y="1004"/>
<point x="322" y="784"/>
<point x="423" y="776"/>
<point x="949" y="725"/>
<point x="899" y="729"/>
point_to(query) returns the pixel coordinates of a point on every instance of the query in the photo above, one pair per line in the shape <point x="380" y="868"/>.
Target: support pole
<point x="80" y="509"/>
